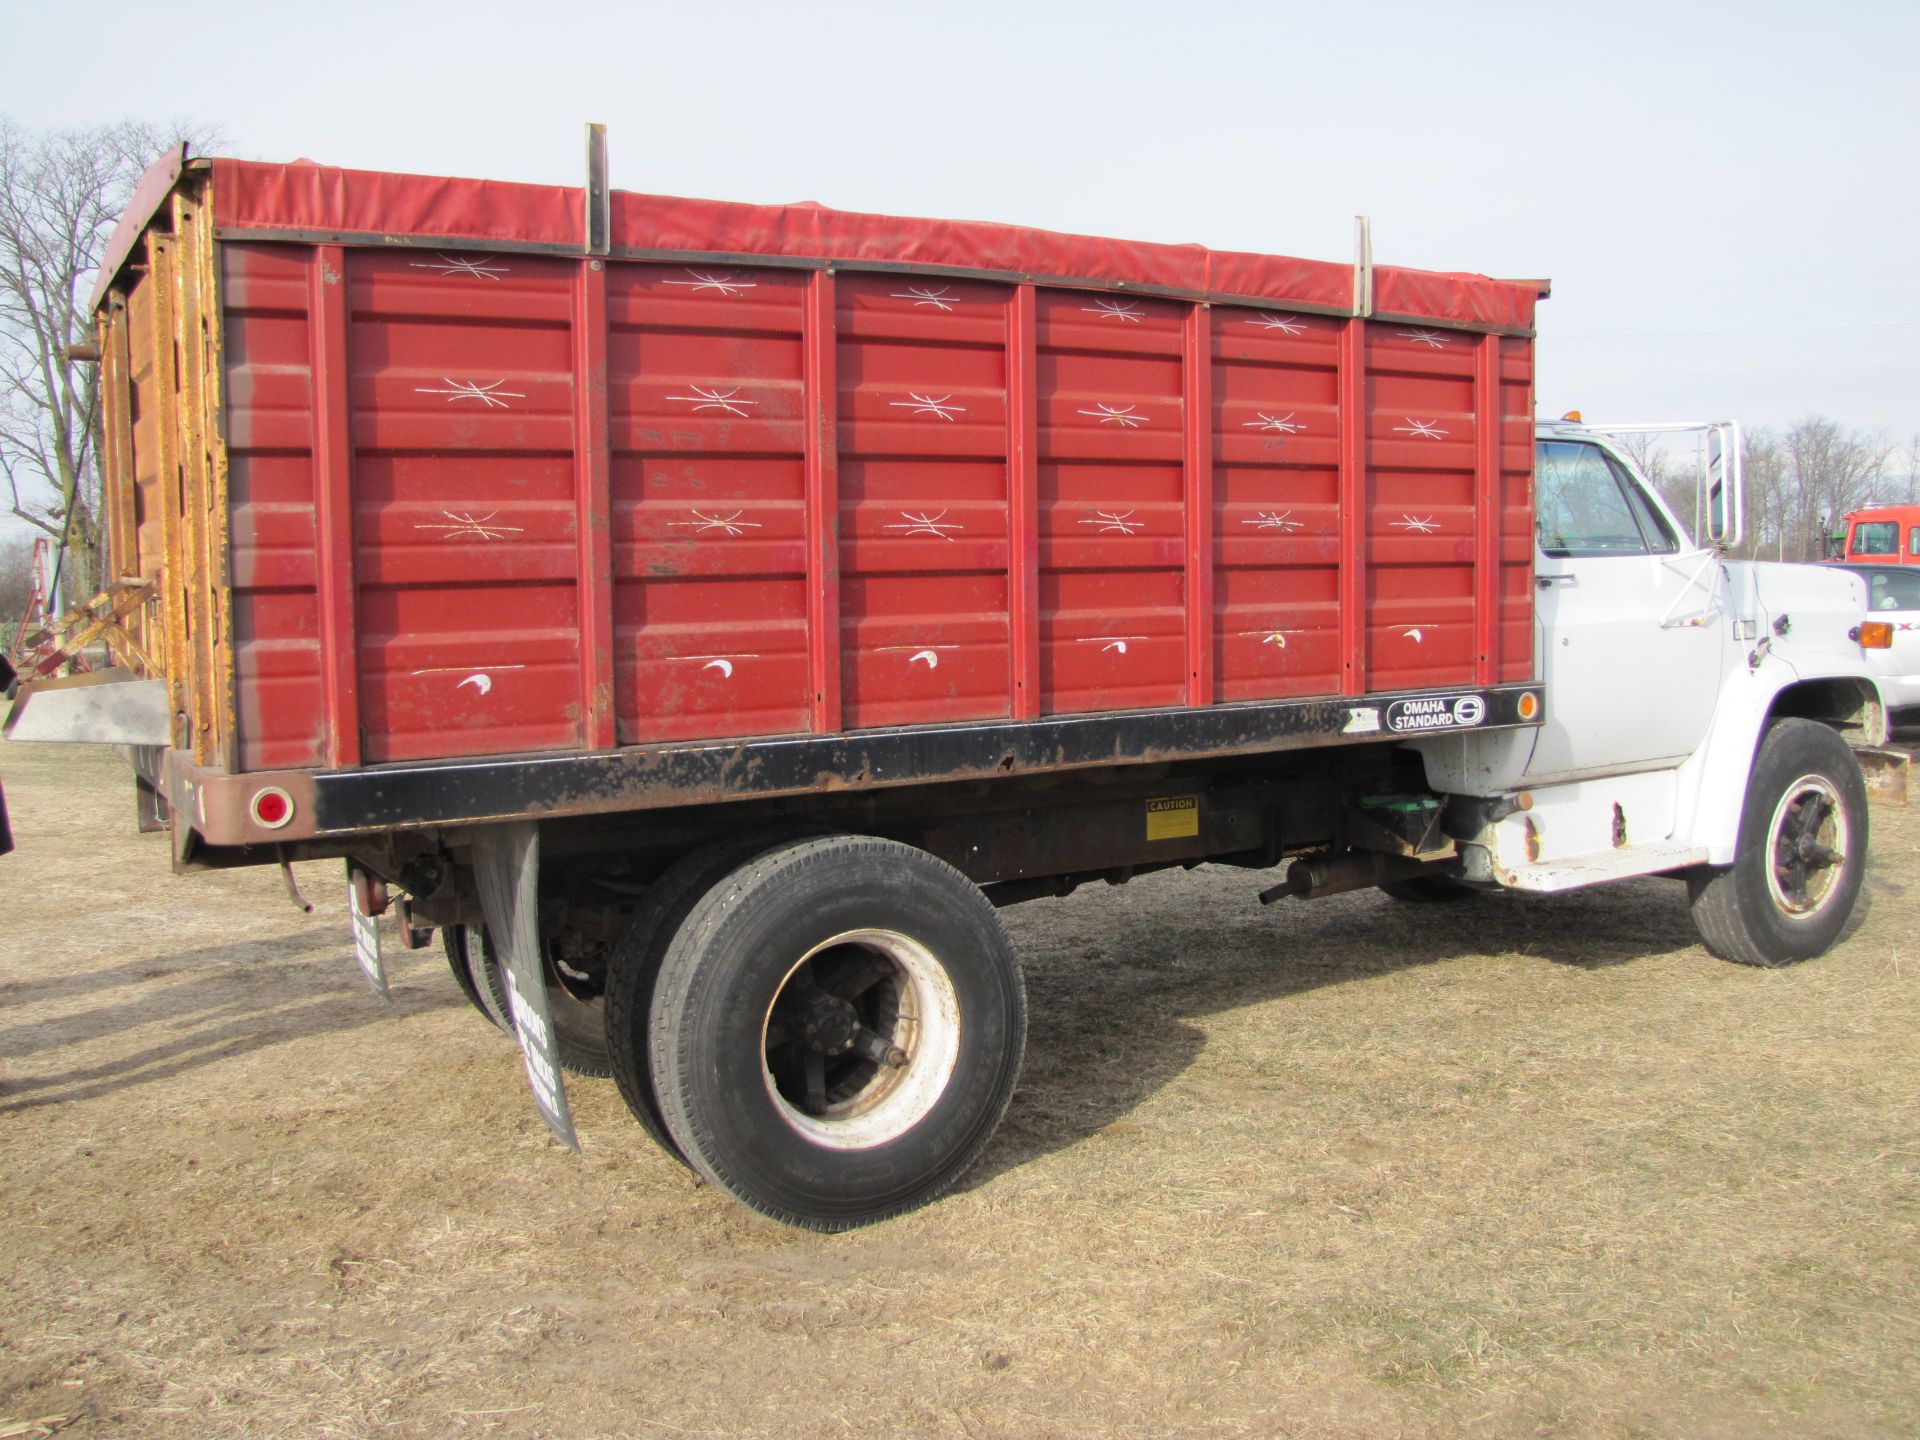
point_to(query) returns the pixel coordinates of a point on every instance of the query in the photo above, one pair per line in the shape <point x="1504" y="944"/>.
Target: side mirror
<point x="1722" y="501"/>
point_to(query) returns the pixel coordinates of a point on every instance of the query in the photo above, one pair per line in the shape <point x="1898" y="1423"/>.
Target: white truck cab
<point x="1699" y="710"/>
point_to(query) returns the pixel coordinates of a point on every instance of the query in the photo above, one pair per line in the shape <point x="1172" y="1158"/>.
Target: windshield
<point x="1877" y="537"/>
<point x="1588" y="505"/>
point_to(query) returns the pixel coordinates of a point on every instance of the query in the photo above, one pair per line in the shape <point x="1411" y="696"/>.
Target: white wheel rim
<point x="1810" y="813"/>
<point x="875" y="1103"/>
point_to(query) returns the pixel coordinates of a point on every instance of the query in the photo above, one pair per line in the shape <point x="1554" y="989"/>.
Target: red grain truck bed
<point x="457" y="479"/>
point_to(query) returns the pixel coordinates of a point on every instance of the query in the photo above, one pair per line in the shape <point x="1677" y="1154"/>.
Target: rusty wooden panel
<point x="162" y="392"/>
<point x="118" y="485"/>
<point x="202" y="512"/>
<point x="209" y="346"/>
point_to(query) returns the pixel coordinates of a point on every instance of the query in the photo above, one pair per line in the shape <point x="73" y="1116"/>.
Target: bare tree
<point x="1834" y="470"/>
<point x="16" y="580"/>
<point x="1671" y="480"/>
<point x="60" y="194"/>
<point x="1763" y="464"/>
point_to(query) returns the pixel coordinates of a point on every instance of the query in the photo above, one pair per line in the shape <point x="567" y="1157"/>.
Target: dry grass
<point x="1349" y="1169"/>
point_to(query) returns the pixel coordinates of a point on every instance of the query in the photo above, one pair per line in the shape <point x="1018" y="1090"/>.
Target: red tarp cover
<point x="261" y="197"/>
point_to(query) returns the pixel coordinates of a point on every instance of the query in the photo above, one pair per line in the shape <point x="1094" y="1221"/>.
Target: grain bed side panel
<point x="272" y="517"/>
<point x="1001" y="481"/>
<point x="465" y="514"/>
<point x="708" y="514"/>
<point x="1276" y="504"/>
<point x="921" y="373"/>
<point x="1516" y="509"/>
<point x="1421" y="507"/>
<point x="1111" y="492"/>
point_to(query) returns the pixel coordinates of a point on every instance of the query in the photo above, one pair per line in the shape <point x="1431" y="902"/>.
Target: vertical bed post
<point x="822" y="467"/>
<point x="333" y="503"/>
<point x="1023" y="502"/>
<point x="1352" y="392"/>
<point x="1487" y="512"/>
<point x="1198" y="407"/>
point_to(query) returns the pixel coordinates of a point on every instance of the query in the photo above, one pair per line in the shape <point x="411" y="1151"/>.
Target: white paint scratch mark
<point x="1412" y="632"/>
<point x="1115" y="310"/>
<point x="480" y="681"/>
<point x="715" y="399"/>
<point x="1417" y="524"/>
<point x="465" y="525"/>
<point x="489" y="394"/>
<point x="935" y="405"/>
<point x="1115" y="521"/>
<point x="1284" y="424"/>
<point x="922" y="523"/>
<point x="921" y="654"/>
<point x="1116" y="644"/>
<point x="1421" y="429"/>
<point x="1432" y="339"/>
<point x="481" y="267"/>
<point x="1282" y="521"/>
<point x="1121" y="415"/>
<point x="1275" y="638"/>
<point x="723" y="284"/>
<point x="925" y="295"/>
<point x="1279" y="322"/>
<point x="723" y="663"/>
<point x="705" y="524"/>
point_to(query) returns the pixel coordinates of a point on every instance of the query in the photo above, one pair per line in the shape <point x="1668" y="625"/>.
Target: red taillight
<point x="271" y="807"/>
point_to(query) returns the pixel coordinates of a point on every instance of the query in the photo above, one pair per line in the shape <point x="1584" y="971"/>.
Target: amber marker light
<point x="271" y="808"/>
<point x="1875" y="635"/>
<point x="1528" y="705"/>
<point x="1573" y="416"/>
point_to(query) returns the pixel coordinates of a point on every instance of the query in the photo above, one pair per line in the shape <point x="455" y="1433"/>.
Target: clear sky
<point x="1724" y="196"/>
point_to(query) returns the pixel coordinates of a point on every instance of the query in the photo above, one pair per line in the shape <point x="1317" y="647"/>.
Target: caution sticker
<point x="1176" y="817"/>
<point x="1436" y="712"/>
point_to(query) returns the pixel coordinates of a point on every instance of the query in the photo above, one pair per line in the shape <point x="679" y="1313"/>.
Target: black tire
<point x="636" y="964"/>
<point x="579" y="1022"/>
<point x="862" y="944"/>
<point x="1800" y="856"/>
<point x="578" y="1027"/>
<point x="1428" y="890"/>
<point x="479" y="983"/>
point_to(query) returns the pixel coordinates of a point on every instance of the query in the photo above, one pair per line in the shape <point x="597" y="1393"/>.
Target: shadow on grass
<point x="1110" y="994"/>
<point x="228" y="1000"/>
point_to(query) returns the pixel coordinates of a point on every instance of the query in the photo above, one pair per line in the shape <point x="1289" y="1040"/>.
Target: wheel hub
<point x="829" y="1023"/>
<point x="1808" y="832"/>
<point x="860" y="1039"/>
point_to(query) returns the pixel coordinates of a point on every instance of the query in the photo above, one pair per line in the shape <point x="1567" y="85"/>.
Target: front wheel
<point x="1800" y="856"/>
<point x="837" y="1027"/>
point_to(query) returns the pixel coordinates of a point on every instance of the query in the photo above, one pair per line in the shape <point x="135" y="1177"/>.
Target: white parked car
<point x="1893" y="595"/>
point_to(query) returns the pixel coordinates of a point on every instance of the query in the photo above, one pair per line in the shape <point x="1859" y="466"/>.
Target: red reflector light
<point x="271" y="807"/>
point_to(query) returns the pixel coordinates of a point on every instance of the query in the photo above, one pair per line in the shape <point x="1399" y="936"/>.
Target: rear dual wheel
<point x="834" y="1031"/>
<point x="573" y="1000"/>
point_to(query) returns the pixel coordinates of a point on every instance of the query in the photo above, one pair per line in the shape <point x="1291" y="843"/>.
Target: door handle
<point x="1547" y="578"/>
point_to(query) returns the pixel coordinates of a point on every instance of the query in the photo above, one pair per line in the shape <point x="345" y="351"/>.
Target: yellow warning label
<point x="1176" y="817"/>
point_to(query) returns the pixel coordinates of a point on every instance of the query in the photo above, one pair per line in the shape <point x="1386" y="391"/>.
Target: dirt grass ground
<point x="1509" y="1167"/>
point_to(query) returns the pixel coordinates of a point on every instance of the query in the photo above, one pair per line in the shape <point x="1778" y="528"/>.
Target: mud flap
<point x="366" y="933"/>
<point x="506" y="862"/>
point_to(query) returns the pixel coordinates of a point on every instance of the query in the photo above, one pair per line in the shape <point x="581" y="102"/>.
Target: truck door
<point x="1632" y="621"/>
